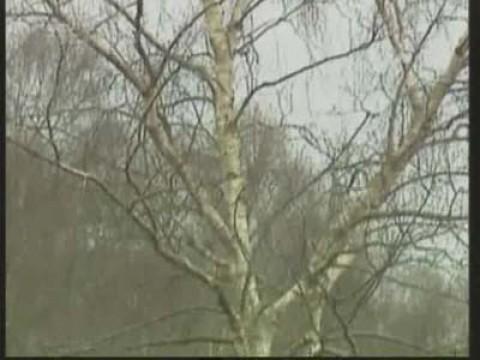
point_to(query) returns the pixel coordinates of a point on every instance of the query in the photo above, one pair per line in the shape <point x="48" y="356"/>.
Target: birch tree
<point x="193" y="157"/>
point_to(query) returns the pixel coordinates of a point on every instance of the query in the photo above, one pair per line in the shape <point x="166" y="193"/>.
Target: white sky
<point x="282" y="50"/>
<point x="317" y="92"/>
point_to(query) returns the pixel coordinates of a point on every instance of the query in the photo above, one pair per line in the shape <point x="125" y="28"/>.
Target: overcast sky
<point x="282" y="50"/>
<point x="318" y="92"/>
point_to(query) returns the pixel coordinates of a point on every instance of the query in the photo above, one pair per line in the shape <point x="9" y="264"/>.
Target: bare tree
<point x="168" y="125"/>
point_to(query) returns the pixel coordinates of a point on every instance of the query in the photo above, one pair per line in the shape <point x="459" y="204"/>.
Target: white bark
<point x="255" y="337"/>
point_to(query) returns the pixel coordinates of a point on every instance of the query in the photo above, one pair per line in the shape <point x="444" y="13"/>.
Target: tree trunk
<point x="258" y="339"/>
